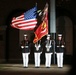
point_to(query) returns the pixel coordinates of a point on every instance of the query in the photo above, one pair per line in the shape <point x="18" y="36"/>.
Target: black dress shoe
<point x="25" y="67"/>
<point x="60" y="67"/>
<point x="37" y="67"/>
<point x="47" y="67"/>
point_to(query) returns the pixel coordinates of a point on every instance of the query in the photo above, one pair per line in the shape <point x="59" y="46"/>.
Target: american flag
<point x="26" y="21"/>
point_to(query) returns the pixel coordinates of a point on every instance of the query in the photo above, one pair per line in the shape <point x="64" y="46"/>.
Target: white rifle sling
<point x="26" y="46"/>
<point x="37" y="47"/>
<point x="48" y="45"/>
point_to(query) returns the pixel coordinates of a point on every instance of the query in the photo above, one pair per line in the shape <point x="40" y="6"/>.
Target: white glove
<point x="29" y="52"/>
<point x="55" y="52"/>
<point x="62" y="46"/>
<point x="22" y="46"/>
<point x="57" y="46"/>
<point x="41" y="52"/>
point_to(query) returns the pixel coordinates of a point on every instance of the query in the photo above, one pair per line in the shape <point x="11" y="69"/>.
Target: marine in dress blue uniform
<point x="37" y="53"/>
<point x="60" y="44"/>
<point x="48" y="51"/>
<point x="25" y="46"/>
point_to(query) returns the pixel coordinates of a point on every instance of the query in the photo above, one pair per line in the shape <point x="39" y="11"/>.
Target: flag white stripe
<point x="27" y="27"/>
<point x="14" y="20"/>
<point x="24" y="24"/>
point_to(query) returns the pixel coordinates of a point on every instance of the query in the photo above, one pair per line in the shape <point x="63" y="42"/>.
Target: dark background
<point x="10" y="37"/>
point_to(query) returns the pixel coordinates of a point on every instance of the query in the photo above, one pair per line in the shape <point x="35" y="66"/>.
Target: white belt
<point x="26" y="46"/>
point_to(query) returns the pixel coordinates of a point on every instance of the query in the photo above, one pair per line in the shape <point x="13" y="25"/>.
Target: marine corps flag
<point x="42" y="30"/>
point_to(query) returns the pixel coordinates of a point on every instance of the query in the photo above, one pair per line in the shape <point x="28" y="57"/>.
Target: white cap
<point x="25" y="34"/>
<point x="48" y="35"/>
<point x="59" y="34"/>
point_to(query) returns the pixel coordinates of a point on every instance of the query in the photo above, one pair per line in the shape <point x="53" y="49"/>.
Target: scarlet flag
<point x="42" y="30"/>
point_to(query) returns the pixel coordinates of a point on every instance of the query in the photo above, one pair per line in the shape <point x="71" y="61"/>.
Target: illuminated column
<point x="53" y="24"/>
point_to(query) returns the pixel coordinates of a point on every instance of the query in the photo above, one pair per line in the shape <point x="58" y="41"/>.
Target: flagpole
<point x="53" y="25"/>
<point x="36" y="4"/>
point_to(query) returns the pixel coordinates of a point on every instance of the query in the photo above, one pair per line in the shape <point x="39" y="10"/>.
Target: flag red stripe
<point x="24" y="22"/>
<point x="16" y="25"/>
